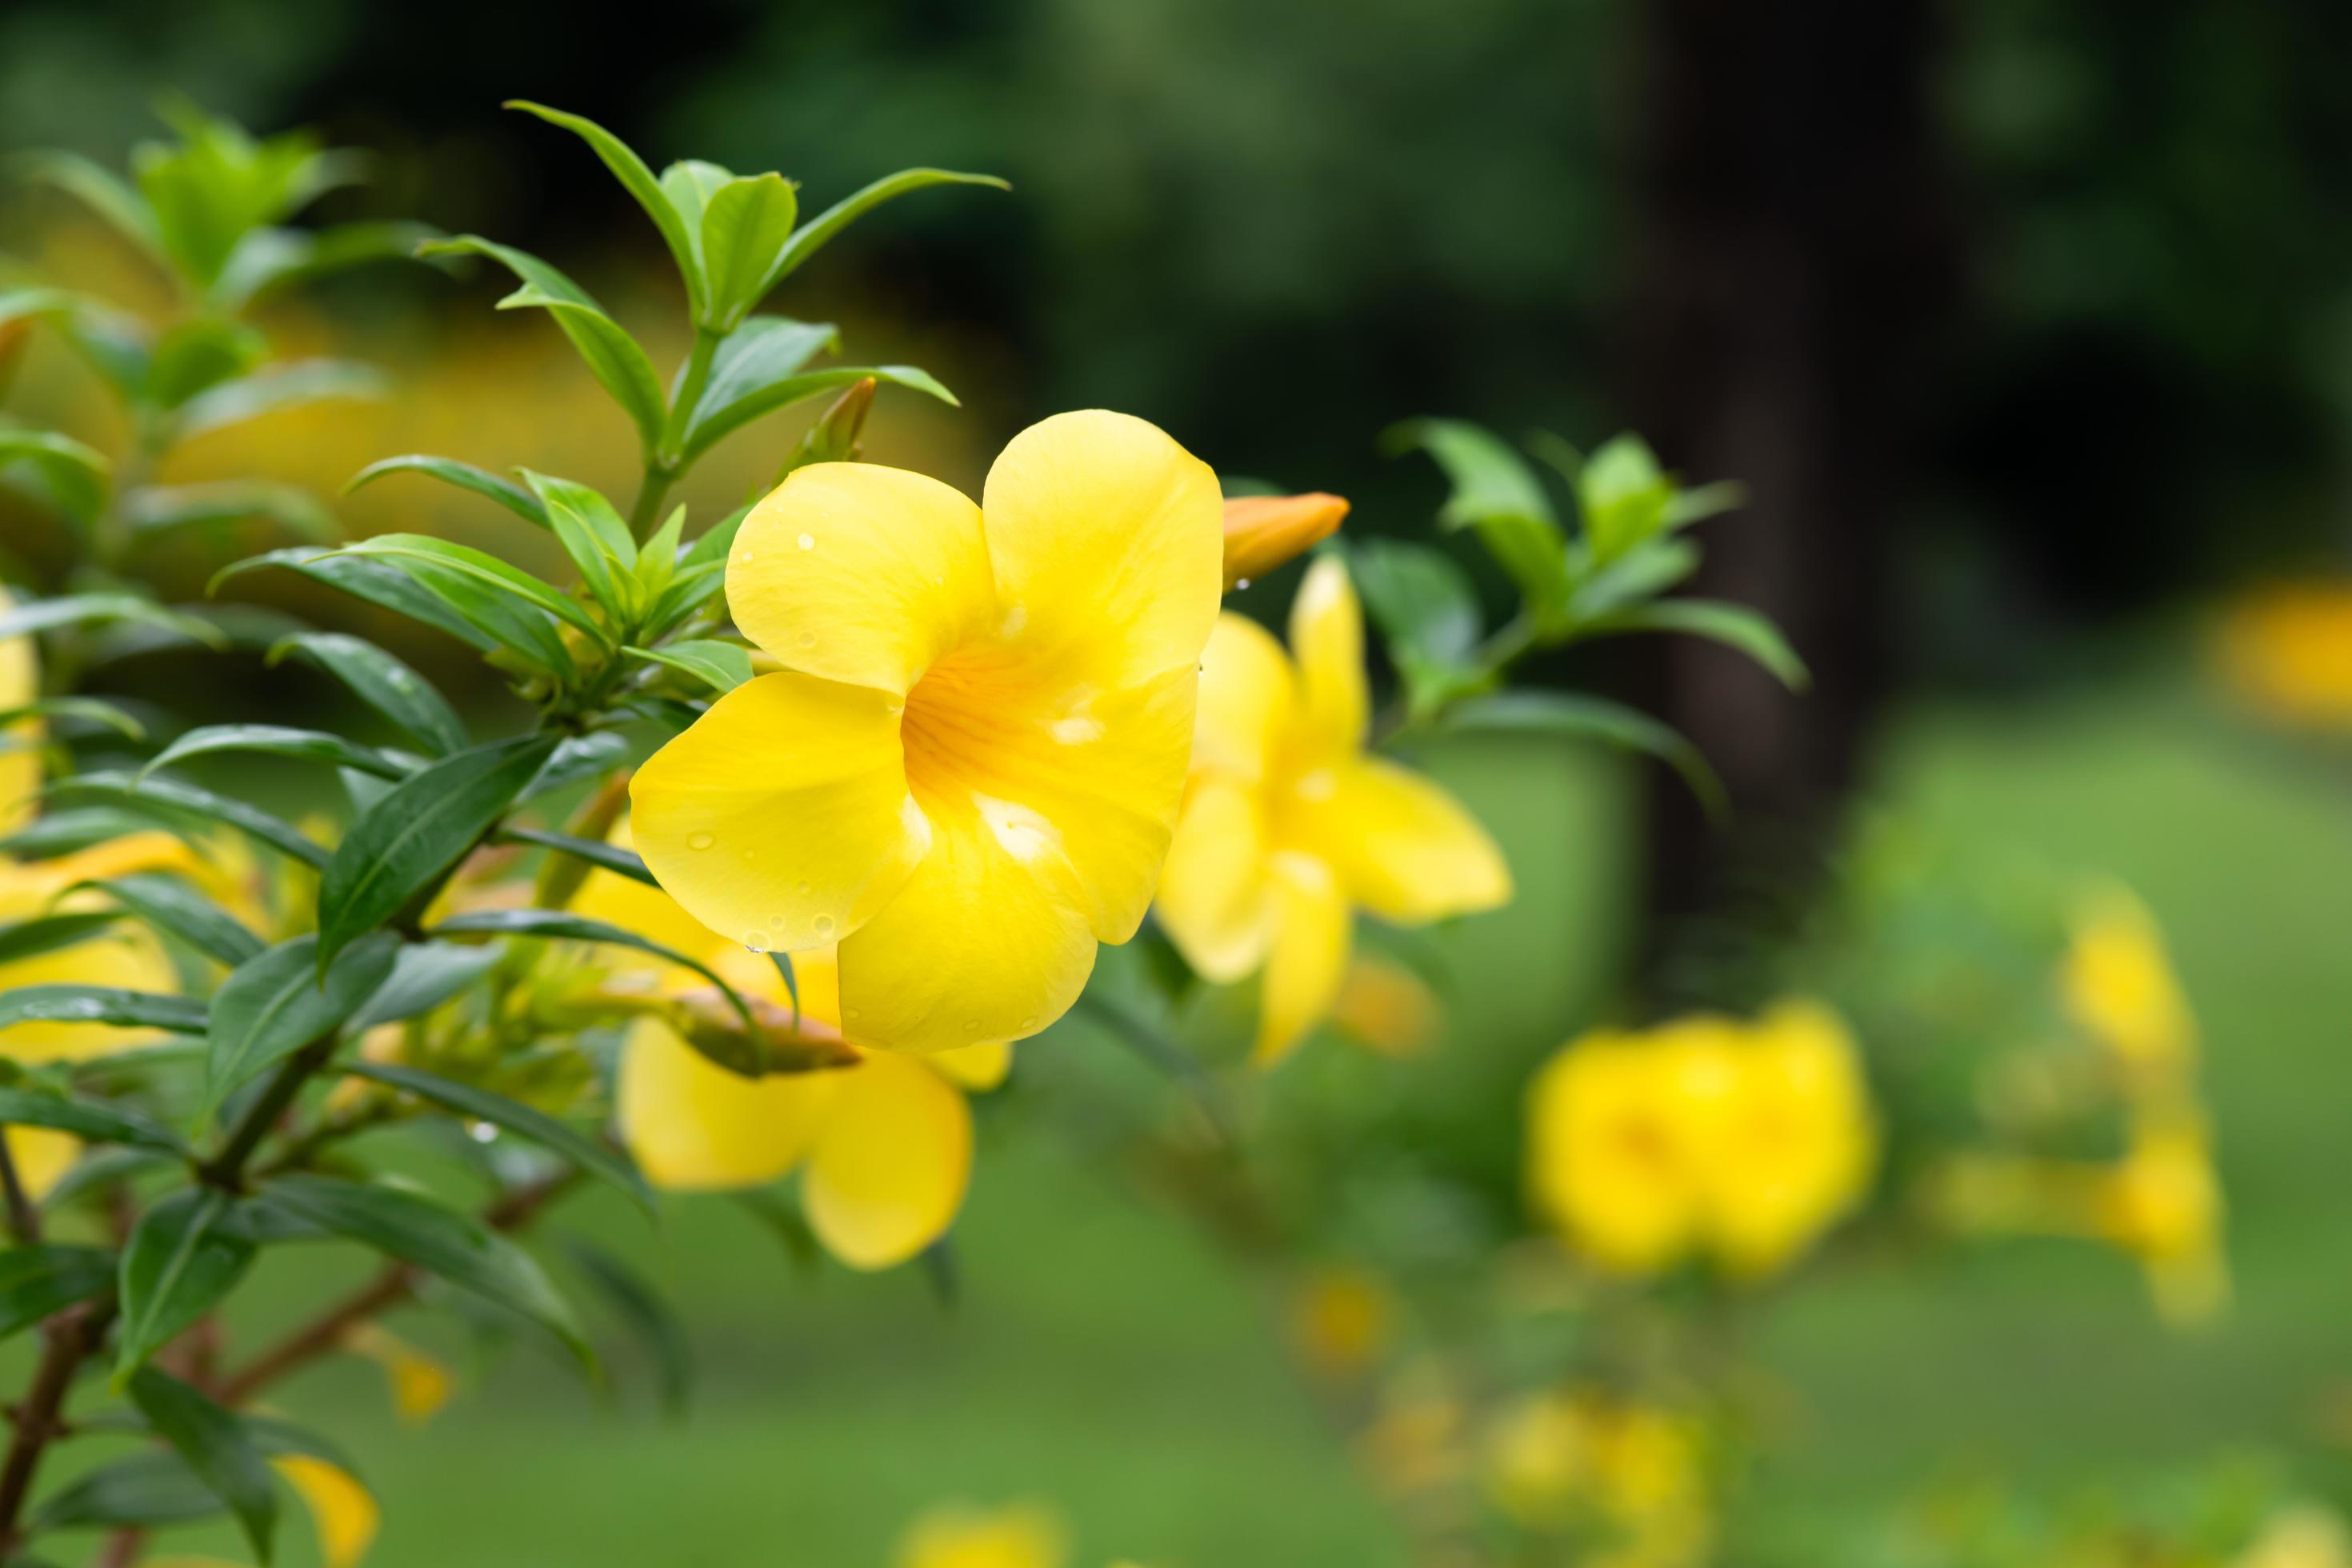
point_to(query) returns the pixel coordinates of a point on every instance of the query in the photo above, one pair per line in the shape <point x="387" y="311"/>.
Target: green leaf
<point x="101" y="1004"/>
<point x="555" y="1136"/>
<point x="91" y="1120"/>
<point x="176" y="910"/>
<point x="269" y="390"/>
<point x="157" y="509"/>
<point x="197" y="354"/>
<point x="596" y="538"/>
<point x="268" y="260"/>
<point x="416" y="552"/>
<point x="80" y="609"/>
<point x="1702" y="501"/>
<point x="216" y="1449"/>
<point x="378" y="582"/>
<point x="441" y="1241"/>
<point x="425" y="975"/>
<point x="649" y="1316"/>
<point x="46" y="933"/>
<point x="577" y="757"/>
<point x="745" y="225"/>
<point x="1622" y="494"/>
<point x="617" y="360"/>
<point x="385" y="683"/>
<point x="606" y="856"/>
<point x="1498" y="495"/>
<point x="1643" y="572"/>
<point x="405" y="843"/>
<point x="99" y="189"/>
<point x="164" y="797"/>
<point x="273" y="1006"/>
<point x="1594" y="719"/>
<point x="464" y="476"/>
<point x="631" y="171"/>
<point x="55" y="833"/>
<point x="811" y="236"/>
<point x="713" y="420"/>
<point x="1734" y="626"/>
<point x="87" y="709"/>
<point x="78" y="474"/>
<point x="277" y="740"/>
<point x="140" y="1489"/>
<point x="721" y="666"/>
<point x="1427" y="610"/>
<point x="35" y="304"/>
<point x="37" y="1280"/>
<point x="689" y="183"/>
<point x="186" y="1255"/>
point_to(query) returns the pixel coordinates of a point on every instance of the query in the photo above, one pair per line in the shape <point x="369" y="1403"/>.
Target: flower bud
<point x="1264" y="531"/>
<point x="834" y="438"/>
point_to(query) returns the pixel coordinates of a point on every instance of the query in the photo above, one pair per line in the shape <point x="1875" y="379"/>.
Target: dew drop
<point x="755" y="942"/>
<point x="971" y="1025"/>
<point x="808" y="542"/>
<point x="1240" y="581"/>
<point x="745" y="556"/>
<point x="1030" y="1022"/>
<point x="481" y="1132"/>
<point x="700" y="840"/>
<point x="808" y="639"/>
<point x="823" y="925"/>
<point x="856" y="1013"/>
<point x="800" y="888"/>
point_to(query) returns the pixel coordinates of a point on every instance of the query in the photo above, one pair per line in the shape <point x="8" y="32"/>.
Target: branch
<point x="71" y="1336"/>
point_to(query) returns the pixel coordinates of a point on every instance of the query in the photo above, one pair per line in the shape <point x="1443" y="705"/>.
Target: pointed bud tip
<point x="1264" y="531"/>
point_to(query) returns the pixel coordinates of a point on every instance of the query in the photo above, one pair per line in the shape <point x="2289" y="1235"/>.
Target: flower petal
<point x="341" y="1510"/>
<point x="974" y="1068"/>
<point x="1404" y="848"/>
<point x="1248" y="699"/>
<point x="20" y="743"/>
<point x="695" y="1127"/>
<point x="1309" y="956"/>
<point x="780" y="817"/>
<point x="1107" y="541"/>
<point x="890" y="1164"/>
<point x="861" y="573"/>
<point x="41" y="1155"/>
<point x="1215" y="899"/>
<point x="1326" y="638"/>
<point x="988" y="940"/>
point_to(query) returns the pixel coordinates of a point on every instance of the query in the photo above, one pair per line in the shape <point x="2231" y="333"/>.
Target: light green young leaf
<point x="495" y="596"/>
<point x="745" y="224"/>
<point x="1423" y="605"/>
<point x="1594" y="719"/>
<point x="268" y="260"/>
<point x="639" y="181"/>
<point x="721" y="666"/>
<point x="197" y="354"/>
<point x="689" y="183"/>
<point x="1496" y="494"/>
<point x="712" y="420"/>
<point x="1734" y="626"/>
<point x="101" y="190"/>
<point x="385" y="683"/>
<point x="811" y="236"/>
<point x="464" y="476"/>
<point x="158" y="509"/>
<point x="596" y="538"/>
<point x="76" y="474"/>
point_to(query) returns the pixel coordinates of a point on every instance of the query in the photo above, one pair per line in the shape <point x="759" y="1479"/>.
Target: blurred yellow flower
<point x="1287" y="823"/>
<point x="124" y="955"/>
<point x="1386" y="1006"/>
<point x="1264" y="531"/>
<point x="2306" y="1535"/>
<point x="967" y="774"/>
<point x="2162" y="1203"/>
<point x="1343" y="1319"/>
<point x="884" y="1147"/>
<point x="341" y="1510"/>
<point x="2288" y="649"/>
<point x="1020" y="1535"/>
<point x="2119" y="985"/>
<point x="40" y="1155"/>
<point x="1747" y="1140"/>
<point x="421" y="1383"/>
<point x="1558" y="1458"/>
<point x="20" y="743"/>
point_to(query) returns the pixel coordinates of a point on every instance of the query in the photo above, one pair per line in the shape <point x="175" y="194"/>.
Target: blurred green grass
<point x="1110" y="1360"/>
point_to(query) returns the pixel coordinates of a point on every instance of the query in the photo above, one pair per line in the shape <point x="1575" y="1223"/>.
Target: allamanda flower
<point x="967" y="774"/>
<point x="1289" y="824"/>
<point x="884" y="1147"/>
<point x="2119" y="985"/>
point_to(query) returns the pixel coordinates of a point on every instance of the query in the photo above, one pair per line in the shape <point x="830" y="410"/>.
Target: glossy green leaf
<point x="415" y="550"/>
<point x="155" y="1487"/>
<point x="90" y="710"/>
<point x="278" y="741"/>
<point x="1643" y="572"/>
<point x="405" y="843"/>
<point x="183" y="1258"/>
<point x="378" y="582"/>
<point x="638" y="180"/>
<point x="272" y="1005"/>
<point x="721" y="666"/>
<point x="176" y="910"/>
<point x="464" y="476"/>
<point x="1498" y="496"/>
<point x="714" y="420"/>
<point x="425" y="975"/>
<point x="745" y="225"/>
<point x="606" y="856"/>
<point x="82" y="609"/>
<point x="1734" y="626"/>
<point x="65" y="830"/>
<point x="811" y="236"/>
<point x="46" y="933"/>
<point x="555" y="1136"/>
<point x="689" y="183"/>
<point x="168" y="798"/>
<point x="577" y="758"/>
<point x="269" y="390"/>
<point x="91" y="1120"/>
<point x="617" y="360"/>
<point x="160" y="508"/>
<point x="47" y="1278"/>
<point x="597" y="540"/>
<point x="1425" y="608"/>
<point x="66" y="1003"/>
<point x="78" y="474"/>
<point x="561" y="925"/>
<point x="385" y="683"/>
<point x="1594" y="719"/>
<point x="649" y="1316"/>
<point x="455" y="1246"/>
<point x="217" y="1451"/>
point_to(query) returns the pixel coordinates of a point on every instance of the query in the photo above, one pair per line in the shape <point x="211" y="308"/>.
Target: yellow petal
<point x="1326" y="638"/>
<point x="29" y="886"/>
<point x="890" y="1163"/>
<point x="1403" y="848"/>
<point x="780" y="817"/>
<point x="20" y="754"/>
<point x="421" y="1384"/>
<point x="1062" y="772"/>
<point x="41" y="1155"/>
<point x="1309" y="956"/>
<point x="1107" y="541"/>
<point x="988" y="940"/>
<point x="341" y="1511"/>
<point x="630" y="904"/>
<point x="861" y="573"/>
<point x="126" y="956"/>
<point x="1264" y="531"/>
<point x="974" y="1068"/>
<point x="1246" y="700"/>
<point x="1615" y="1145"/>
<point x="1388" y="1007"/>
<point x="1215" y="898"/>
<point x="1022" y="1535"/>
<point x="695" y="1127"/>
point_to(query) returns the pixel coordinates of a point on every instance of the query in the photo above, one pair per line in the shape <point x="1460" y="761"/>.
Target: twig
<point x="24" y="1219"/>
<point x="226" y="1170"/>
<point x="71" y="1336"/>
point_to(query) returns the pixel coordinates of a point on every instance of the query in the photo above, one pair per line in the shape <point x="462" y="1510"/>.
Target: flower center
<point x="961" y="719"/>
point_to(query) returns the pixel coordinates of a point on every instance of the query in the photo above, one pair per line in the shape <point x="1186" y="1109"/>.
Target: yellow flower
<point x="2289" y="650"/>
<point x="124" y="955"/>
<point x="967" y="774"/>
<point x="2119" y="985"/>
<point x="884" y="1147"/>
<point x="1264" y="531"/>
<point x="421" y="1383"/>
<point x="1022" y="1535"/>
<point x="1553" y="1458"/>
<point x="341" y="1510"/>
<point x="1748" y="1140"/>
<point x="2304" y="1535"/>
<point x="1287" y="823"/>
<point x="1343" y="1319"/>
<point x="2162" y="1203"/>
<point x="20" y="743"/>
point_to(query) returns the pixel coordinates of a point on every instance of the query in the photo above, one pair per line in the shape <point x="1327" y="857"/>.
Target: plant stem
<point x="24" y="1219"/>
<point x="226" y="1170"/>
<point x="71" y="1336"/>
<point x="663" y="460"/>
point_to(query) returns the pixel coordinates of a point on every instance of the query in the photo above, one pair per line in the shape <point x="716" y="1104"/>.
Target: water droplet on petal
<point x="971" y="1025"/>
<point x="1030" y="1022"/>
<point x="755" y="942"/>
<point x="823" y="925"/>
<point x="808" y="639"/>
<point x="800" y="888"/>
<point x="745" y="556"/>
<point x="856" y="1012"/>
<point x="1240" y="581"/>
<point x="808" y="542"/>
<point x="700" y="840"/>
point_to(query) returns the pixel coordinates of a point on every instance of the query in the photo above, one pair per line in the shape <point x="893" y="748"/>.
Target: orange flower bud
<point x="1264" y="531"/>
